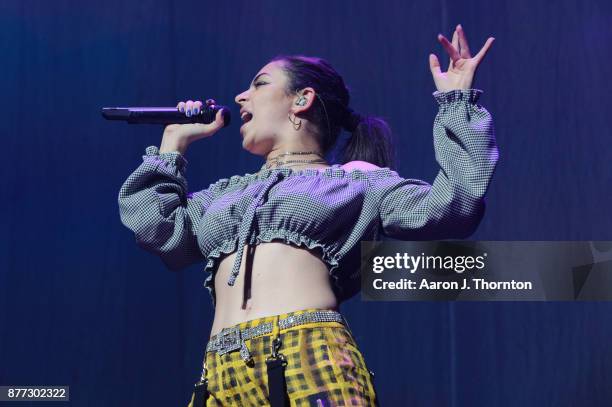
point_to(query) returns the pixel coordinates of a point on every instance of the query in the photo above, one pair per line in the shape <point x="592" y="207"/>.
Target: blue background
<point x="82" y="305"/>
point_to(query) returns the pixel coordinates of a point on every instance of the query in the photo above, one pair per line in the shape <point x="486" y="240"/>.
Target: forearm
<point x="464" y="140"/>
<point x="453" y="205"/>
<point x="155" y="205"/>
<point x="170" y="144"/>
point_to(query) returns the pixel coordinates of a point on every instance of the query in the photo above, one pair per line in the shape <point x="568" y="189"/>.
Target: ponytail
<point x="371" y="140"/>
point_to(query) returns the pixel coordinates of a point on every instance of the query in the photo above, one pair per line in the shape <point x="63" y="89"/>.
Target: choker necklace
<point x="277" y="162"/>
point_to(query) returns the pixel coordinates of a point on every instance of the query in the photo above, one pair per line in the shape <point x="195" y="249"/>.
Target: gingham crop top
<point x="332" y="209"/>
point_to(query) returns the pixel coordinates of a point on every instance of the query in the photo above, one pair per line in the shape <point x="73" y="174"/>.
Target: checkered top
<point x="330" y="210"/>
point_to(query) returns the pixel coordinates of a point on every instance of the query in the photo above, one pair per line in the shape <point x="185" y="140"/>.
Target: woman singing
<point x="282" y="244"/>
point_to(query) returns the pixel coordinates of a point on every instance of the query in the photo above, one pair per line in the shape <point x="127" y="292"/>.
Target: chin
<point x="257" y="147"/>
<point x="253" y="148"/>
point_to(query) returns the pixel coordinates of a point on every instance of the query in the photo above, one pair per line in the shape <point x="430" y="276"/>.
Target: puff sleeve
<point x="453" y="206"/>
<point x="155" y="205"/>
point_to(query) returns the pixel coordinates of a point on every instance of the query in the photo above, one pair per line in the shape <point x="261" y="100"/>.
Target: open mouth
<point x="246" y="117"/>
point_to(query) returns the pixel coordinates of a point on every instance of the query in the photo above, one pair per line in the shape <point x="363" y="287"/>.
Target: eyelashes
<point x="256" y="84"/>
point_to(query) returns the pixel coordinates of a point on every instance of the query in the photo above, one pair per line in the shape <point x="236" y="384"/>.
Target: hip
<point x="322" y="362"/>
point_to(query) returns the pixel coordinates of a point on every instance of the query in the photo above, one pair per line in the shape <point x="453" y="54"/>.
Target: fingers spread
<point x="465" y="49"/>
<point x="455" y="43"/>
<point x="452" y="51"/>
<point x="434" y="64"/>
<point x="483" y="51"/>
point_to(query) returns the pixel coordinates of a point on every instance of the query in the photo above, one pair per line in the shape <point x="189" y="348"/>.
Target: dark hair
<point x="371" y="138"/>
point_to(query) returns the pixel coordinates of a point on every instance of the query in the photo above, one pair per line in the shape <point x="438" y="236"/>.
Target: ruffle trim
<point x="334" y="171"/>
<point x="289" y="237"/>
<point x="174" y="158"/>
<point x="456" y="95"/>
<point x="177" y="160"/>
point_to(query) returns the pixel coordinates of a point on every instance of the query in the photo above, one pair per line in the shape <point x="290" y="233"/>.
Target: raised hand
<point x="462" y="67"/>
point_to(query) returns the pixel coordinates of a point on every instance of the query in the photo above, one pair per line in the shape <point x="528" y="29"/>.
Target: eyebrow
<point x="255" y="78"/>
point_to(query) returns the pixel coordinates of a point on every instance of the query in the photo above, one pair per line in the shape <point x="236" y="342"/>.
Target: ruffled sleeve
<point x="155" y="205"/>
<point x="453" y="206"/>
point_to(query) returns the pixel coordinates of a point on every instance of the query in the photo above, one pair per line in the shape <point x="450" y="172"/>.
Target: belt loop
<point x="275" y="365"/>
<point x="275" y="327"/>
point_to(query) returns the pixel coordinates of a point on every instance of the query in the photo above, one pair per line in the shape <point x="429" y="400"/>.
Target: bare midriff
<point x="274" y="278"/>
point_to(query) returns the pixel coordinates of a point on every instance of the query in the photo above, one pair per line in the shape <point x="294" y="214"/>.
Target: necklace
<point x="277" y="162"/>
<point x="296" y="153"/>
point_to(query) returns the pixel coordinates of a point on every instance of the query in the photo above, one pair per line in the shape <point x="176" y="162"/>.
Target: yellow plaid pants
<point x="324" y="368"/>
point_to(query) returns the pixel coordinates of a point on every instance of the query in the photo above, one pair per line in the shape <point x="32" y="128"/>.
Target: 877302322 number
<point x="32" y="393"/>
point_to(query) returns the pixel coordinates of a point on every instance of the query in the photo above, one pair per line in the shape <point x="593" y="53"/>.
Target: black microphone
<point x="165" y="115"/>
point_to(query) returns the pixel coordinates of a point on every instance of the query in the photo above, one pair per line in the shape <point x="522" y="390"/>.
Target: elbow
<point x="174" y="259"/>
<point x="454" y="223"/>
<point x="465" y="225"/>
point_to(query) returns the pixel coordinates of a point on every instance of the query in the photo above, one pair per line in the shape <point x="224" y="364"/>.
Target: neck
<point x="292" y="146"/>
<point x="295" y="157"/>
<point x="301" y="151"/>
<point x="293" y="152"/>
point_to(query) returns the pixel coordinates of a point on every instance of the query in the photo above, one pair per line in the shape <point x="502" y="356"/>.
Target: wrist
<point x="168" y="146"/>
<point x="455" y="95"/>
<point x="454" y="87"/>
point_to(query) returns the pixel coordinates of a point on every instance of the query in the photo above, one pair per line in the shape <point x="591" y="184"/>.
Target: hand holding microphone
<point x="181" y="135"/>
<point x="187" y="122"/>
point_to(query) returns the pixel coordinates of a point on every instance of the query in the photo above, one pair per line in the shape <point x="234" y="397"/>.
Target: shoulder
<point x="360" y="165"/>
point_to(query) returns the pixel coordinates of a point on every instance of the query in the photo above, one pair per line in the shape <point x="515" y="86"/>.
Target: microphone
<point x="165" y="115"/>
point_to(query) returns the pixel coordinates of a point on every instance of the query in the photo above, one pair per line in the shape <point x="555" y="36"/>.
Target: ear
<point x="308" y="96"/>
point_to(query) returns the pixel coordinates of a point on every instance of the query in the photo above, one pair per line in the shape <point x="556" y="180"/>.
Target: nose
<point x="240" y="97"/>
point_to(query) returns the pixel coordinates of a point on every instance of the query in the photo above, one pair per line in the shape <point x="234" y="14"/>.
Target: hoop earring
<point x="296" y="126"/>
